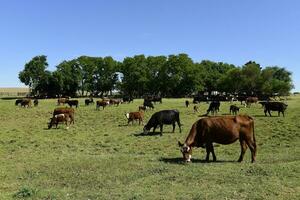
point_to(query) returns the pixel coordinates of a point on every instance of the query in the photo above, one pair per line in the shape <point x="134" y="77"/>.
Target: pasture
<point x="100" y="157"/>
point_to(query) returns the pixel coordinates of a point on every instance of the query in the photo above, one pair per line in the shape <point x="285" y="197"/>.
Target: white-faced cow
<point x="222" y="130"/>
<point x="59" y="118"/>
<point x="134" y="116"/>
<point x="163" y="117"/>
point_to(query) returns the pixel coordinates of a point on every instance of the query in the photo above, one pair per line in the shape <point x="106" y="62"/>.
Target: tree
<point x="33" y="72"/>
<point x="87" y="67"/>
<point x="276" y="80"/>
<point x="70" y="74"/>
<point x="105" y="76"/>
<point x="251" y="82"/>
<point x="232" y="81"/>
<point x="135" y="75"/>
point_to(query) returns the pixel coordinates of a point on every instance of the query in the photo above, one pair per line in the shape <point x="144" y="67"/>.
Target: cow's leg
<point x="252" y="146"/>
<point x="154" y="128"/>
<point x="161" y="129"/>
<point x="283" y="113"/>
<point x="269" y="111"/>
<point x="173" y="127"/>
<point x="213" y="152"/>
<point x="179" y="125"/>
<point x="207" y="154"/>
<point x="243" y="149"/>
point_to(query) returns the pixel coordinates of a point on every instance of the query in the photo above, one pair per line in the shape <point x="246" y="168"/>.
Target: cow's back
<point x="223" y="130"/>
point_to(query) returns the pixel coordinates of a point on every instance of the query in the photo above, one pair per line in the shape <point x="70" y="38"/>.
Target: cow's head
<point x="146" y="129"/>
<point x="50" y="124"/>
<point x="186" y="151"/>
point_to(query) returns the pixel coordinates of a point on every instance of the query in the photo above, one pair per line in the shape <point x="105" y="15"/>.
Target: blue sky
<point x="232" y="31"/>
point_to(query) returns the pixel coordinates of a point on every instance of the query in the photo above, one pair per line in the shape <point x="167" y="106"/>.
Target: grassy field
<point x="13" y="91"/>
<point x="101" y="158"/>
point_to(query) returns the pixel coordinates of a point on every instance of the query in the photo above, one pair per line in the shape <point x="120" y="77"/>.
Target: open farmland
<point x="100" y="157"/>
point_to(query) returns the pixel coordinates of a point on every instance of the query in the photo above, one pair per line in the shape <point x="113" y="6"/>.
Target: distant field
<point x="101" y="158"/>
<point x="13" y="91"/>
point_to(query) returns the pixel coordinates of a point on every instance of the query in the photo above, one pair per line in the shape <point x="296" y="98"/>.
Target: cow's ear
<point x="180" y="144"/>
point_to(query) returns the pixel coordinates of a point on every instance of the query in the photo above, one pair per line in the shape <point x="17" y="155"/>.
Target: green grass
<point x="101" y="158"/>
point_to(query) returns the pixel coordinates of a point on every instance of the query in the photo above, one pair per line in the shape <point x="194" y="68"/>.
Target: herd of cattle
<point x="204" y="132"/>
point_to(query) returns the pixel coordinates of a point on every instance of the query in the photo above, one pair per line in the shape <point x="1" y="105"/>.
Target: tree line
<point x="167" y="76"/>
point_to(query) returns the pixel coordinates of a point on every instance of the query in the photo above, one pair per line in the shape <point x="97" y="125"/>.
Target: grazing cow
<point x="263" y="103"/>
<point x="102" y="103"/>
<point x="18" y="101"/>
<point x="62" y="101"/>
<point x="163" y="117"/>
<point x="69" y="111"/>
<point x="35" y="102"/>
<point x="88" y="101"/>
<point x="195" y="109"/>
<point x="156" y="99"/>
<point x="241" y="99"/>
<point x="251" y="100"/>
<point x="222" y="130"/>
<point x="127" y="99"/>
<point x="143" y="108"/>
<point x="275" y="106"/>
<point x="59" y="118"/>
<point x="234" y="109"/>
<point x="26" y="102"/>
<point x="214" y="107"/>
<point x="72" y="103"/>
<point x="135" y="116"/>
<point x="187" y="103"/>
<point x="148" y="104"/>
<point x="115" y="101"/>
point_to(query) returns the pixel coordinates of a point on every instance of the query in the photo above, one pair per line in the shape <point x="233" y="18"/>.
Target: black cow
<point x="148" y="104"/>
<point x="18" y="101"/>
<point x="263" y="103"/>
<point x="35" y="102"/>
<point x="88" y="101"/>
<point x="234" y="109"/>
<point x="72" y="103"/>
<point x="127" y="99"/>
<point x="214" y="107"/>
<point x="163" y="117"/>
<point x="187" y="103"/>
<point x="156" y="99"/>
<point x="275" y="106"/>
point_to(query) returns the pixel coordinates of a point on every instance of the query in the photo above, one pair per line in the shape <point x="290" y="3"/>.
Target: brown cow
<point x="69" y="111"/>
<point x="62" y="101"/>
<point x="222" y="130"/>
<point x="135" y="116"/>
<point x="59" y="118"/>
<point x="115" y="101"/>
<point x="251" y="100"/>
<point x="102" y="103"/>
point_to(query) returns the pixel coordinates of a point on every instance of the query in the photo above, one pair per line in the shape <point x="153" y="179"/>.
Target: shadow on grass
<point x="260" y="115"/>
<point x="181" y="161"/>
<point x="147" y="134"/>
